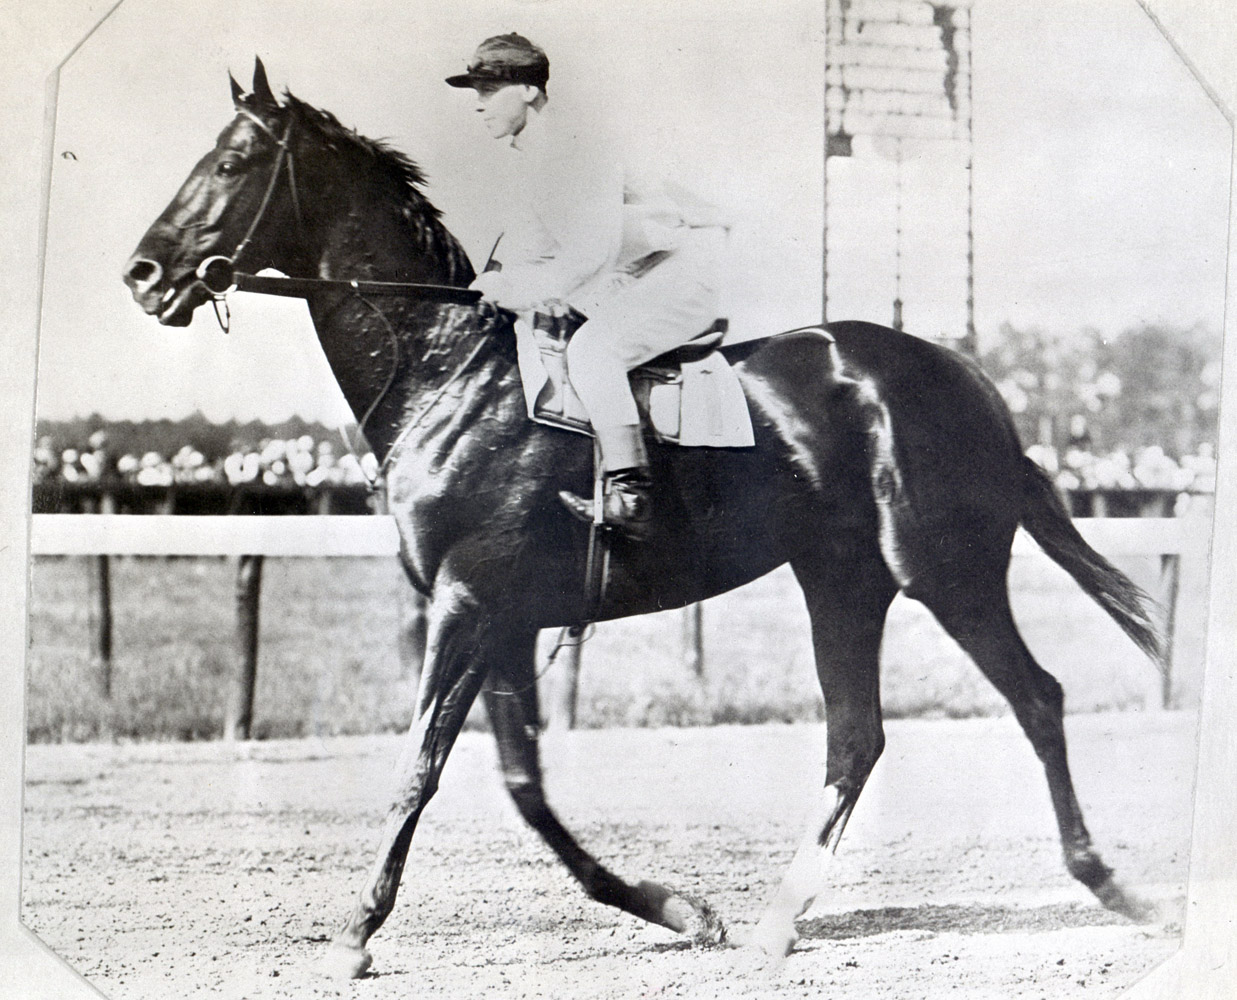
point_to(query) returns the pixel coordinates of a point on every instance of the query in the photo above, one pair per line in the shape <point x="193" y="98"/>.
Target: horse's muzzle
<point x="172" y="303"/>
<point x="143" y="276"/>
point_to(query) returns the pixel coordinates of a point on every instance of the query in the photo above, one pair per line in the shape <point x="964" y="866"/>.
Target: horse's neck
<point x="390" y="355"/>
<point x="378" y="242"/>
<point x="395" y="358"/>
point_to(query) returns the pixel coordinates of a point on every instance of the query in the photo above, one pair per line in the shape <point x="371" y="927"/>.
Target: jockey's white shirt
<point x="562" y="213"/>
<point x="573" y="223"/>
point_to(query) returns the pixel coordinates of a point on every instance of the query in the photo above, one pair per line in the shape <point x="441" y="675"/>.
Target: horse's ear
<point x="238" y="92"/>
<point x="261" y="87"/>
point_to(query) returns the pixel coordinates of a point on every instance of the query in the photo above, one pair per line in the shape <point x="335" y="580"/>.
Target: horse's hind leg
<point x="848" y="591"/>
<point x="973" y="606"/>
<point x="511" y="700"/>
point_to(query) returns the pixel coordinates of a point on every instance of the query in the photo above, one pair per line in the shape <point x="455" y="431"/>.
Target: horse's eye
<point x="227" y="168"/>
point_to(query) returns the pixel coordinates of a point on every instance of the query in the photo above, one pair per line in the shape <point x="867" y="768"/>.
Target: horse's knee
<point x="1049" y="695"/>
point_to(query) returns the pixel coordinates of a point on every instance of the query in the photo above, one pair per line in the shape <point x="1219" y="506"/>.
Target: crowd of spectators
<point x="300" y="461"/>
<point x="1147" y="468"/>
<point x="304" y="461"/>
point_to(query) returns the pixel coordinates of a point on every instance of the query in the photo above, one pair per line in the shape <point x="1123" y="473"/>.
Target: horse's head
<point x="237" y="201"/>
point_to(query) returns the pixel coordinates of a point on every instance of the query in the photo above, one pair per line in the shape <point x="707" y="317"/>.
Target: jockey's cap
<point x="508" y="58"/>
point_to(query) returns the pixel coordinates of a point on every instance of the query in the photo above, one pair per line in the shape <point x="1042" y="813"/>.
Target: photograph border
<point x="40" y="37"/>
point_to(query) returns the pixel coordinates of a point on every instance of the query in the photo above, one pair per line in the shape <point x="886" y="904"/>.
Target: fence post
<point x="101" y="638"/>
<point x="1170" y="585"/>
<point x="564" y="687"/>
<point x="693" y="638"/>
<point x="238" y="720"/>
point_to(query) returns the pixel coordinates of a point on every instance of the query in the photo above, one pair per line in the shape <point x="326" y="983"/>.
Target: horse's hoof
<point x="776" y="940"/>
<point x="700" y="922"/>
<point x="694" y="918"/>
<point x="343" y="961"/>
<point x="1125" y="903"/>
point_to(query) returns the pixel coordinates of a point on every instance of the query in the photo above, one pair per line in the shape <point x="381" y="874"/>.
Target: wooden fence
<point x="250" y="538"/>
<point x="59" y="496"/>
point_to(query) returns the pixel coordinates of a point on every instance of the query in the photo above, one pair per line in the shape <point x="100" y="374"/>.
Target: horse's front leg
<point x="511" y="699"/>
<point x="460" y="644"/>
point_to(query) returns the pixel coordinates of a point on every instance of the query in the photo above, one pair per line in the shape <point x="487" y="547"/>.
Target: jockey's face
<point x="504" y="107"/>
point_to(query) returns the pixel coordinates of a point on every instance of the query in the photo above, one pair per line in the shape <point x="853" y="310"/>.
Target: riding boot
<point x="626" y="505"/>
<point x="626" y="502"/>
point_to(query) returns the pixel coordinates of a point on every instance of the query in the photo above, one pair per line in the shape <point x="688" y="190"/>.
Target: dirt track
<point x="205" y="870"/>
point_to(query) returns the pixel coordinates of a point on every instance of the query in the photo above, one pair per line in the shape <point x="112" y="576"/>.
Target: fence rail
<point x="209" y="535"/>
<point x="313" y="535"/>
<point x="251" y="538"/>
<point x="59" y="496"/>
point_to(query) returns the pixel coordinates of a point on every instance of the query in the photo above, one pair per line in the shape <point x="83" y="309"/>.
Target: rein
<point x="305" y="287"/>
<point x="218" y="269"/>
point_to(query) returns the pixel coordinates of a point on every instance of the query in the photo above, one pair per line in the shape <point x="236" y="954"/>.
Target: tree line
<point x="1150" y="386"/>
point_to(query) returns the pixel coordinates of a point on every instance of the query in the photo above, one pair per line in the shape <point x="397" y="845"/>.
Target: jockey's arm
<point x="581" y="209"/>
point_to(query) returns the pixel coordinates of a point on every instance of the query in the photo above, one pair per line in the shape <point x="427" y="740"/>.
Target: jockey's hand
<point x="494" y="288"/>
<point x="500" y="292"/>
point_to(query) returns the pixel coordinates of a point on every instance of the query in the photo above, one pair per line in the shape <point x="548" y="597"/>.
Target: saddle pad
<point x="694" y="404"/>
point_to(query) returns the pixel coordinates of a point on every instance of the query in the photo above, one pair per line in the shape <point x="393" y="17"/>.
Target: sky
<point x="1101" y="172"/>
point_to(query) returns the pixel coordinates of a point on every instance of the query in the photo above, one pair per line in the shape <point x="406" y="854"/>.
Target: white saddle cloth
<point x="695" y="403"/>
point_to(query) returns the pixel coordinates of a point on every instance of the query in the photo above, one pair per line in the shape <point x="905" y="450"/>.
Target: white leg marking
<point x="775" y="932"/>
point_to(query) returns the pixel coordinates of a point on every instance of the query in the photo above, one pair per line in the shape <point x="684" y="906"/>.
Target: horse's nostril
<point x="142" y="272"/>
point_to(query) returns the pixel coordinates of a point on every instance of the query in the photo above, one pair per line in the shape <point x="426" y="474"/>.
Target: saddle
<point x="689" y="396"/>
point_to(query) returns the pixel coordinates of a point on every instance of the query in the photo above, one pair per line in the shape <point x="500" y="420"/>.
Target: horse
<point x="882" y="463"/>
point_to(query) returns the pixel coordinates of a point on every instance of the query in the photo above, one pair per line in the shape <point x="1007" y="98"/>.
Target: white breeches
<point x="671" y="305"/>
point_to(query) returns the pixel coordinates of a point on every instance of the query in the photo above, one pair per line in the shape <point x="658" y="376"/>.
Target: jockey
<point x="639" y="261"/>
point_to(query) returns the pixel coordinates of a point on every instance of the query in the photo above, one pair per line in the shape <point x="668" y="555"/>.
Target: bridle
<point x="219" y="276"/>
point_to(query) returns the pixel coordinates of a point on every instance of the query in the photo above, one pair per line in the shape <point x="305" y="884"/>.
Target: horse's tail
<point x="1045" y="517"/>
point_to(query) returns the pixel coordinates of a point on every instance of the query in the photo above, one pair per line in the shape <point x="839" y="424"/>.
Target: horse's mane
<point x="396" y="172"/>
<point x="382" y="157"/>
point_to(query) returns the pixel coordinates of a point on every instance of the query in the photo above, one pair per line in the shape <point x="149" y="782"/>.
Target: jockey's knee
<point x="592" y="345"/>
<point x="597" y="372"/>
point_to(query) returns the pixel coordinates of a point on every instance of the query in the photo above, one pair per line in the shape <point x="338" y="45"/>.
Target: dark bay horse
<point x="882" y="464"/>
